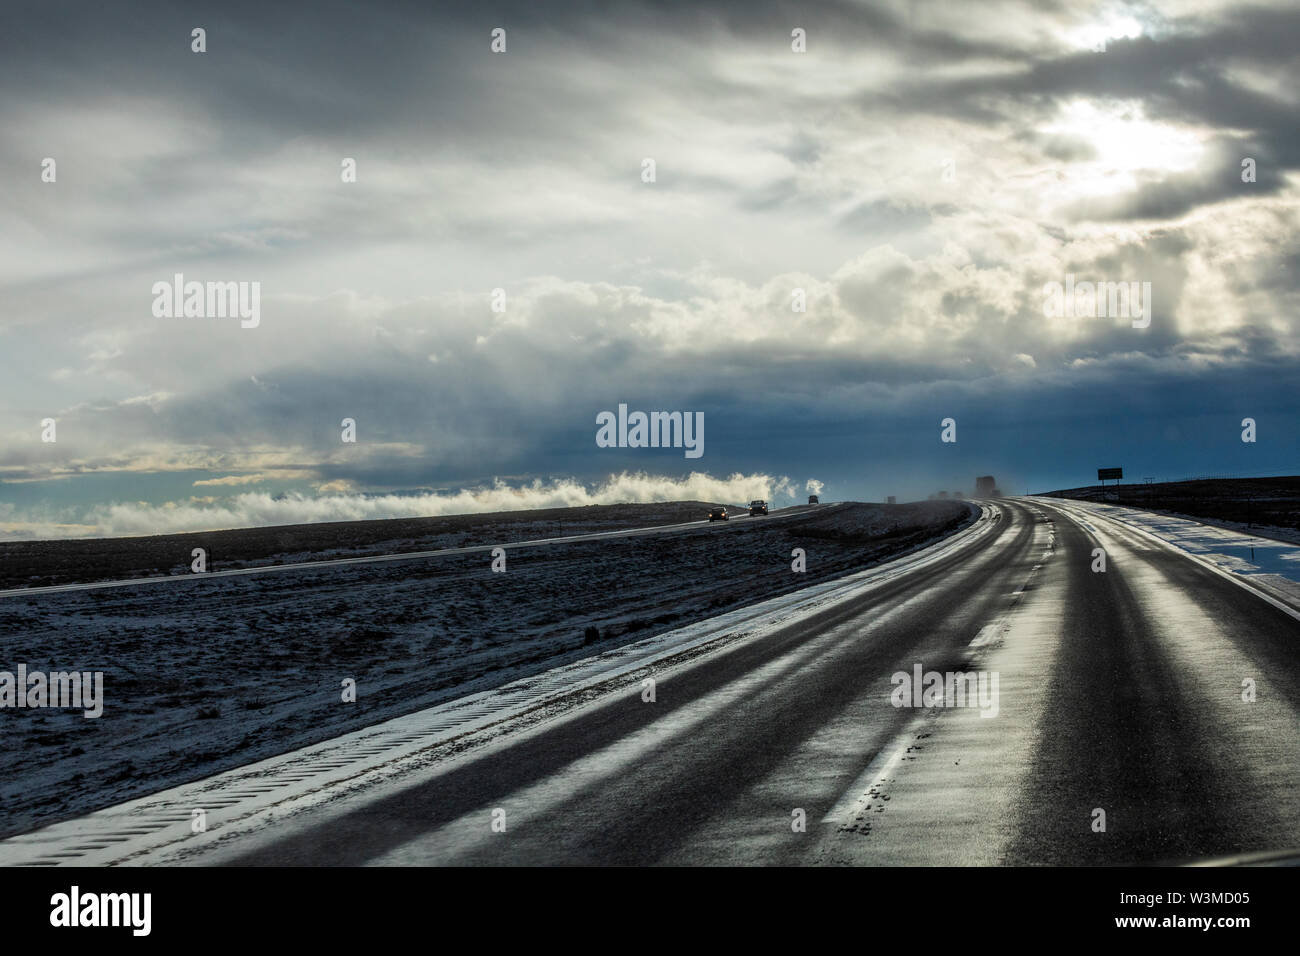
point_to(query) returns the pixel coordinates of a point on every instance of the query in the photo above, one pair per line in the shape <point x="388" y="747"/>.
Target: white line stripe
<point x="857" y="796"/>
<point x="1236" y="579"/>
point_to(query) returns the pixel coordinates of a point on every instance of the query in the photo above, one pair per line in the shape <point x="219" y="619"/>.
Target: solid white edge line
<point x="1236" y="579"/>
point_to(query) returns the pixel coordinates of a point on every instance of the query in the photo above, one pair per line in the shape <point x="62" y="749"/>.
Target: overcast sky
<point x="921" y="172"/>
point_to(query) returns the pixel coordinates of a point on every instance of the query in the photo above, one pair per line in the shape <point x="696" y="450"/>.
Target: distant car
<point x="758" y="507"/>
<point x="813" y="500"/>
<point x="718" y="514"/>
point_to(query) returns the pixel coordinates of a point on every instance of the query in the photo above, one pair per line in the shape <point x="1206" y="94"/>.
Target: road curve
<point x="1120" y="705"/>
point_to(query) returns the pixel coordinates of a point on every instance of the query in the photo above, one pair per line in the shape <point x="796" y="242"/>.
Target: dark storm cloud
<point x="355" y="69"/>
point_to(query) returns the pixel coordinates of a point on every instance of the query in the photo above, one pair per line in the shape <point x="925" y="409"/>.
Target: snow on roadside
<point x="205" y="675"/>
<point x="1269" y="562"/>
<point x="155" y="829"/>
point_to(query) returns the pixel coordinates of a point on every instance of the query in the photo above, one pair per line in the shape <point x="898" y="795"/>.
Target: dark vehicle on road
<point x="718" y="514"/>
<point x="758" y="507"/>
<point x="813" y="500"/>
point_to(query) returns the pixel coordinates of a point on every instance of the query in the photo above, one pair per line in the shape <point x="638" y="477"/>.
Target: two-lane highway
<point x="1121" y="701"/>
<point x="1119" y="732"/>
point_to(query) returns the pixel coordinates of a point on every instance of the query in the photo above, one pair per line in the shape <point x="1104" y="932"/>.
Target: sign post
<point x="1104" y="474"/>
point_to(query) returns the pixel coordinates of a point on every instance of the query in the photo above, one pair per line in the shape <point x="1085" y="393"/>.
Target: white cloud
<point x="227" y="480"/>
<point x="258" y="509"/>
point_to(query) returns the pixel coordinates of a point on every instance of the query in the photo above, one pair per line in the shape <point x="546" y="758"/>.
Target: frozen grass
<point x="204" y="675"/>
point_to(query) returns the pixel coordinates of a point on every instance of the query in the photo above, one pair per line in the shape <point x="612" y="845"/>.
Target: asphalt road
<point x="1119" y="693"/>
<point x="398" y="556"/>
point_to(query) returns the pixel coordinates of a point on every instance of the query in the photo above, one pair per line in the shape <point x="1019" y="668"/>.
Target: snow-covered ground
<point x="29" y="564"/>
<point x="1271" y="564"/>
<point x="1262" y="507"/>
<point x="159" y="828"/>
<point x="205" y="675"/>
<point x="1268" y="532"/>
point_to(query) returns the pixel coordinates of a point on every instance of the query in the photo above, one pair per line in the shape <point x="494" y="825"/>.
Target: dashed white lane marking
<point x="852" y="808"/>
<point x="856" y="802"/>
<point x="992" y="633"/>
